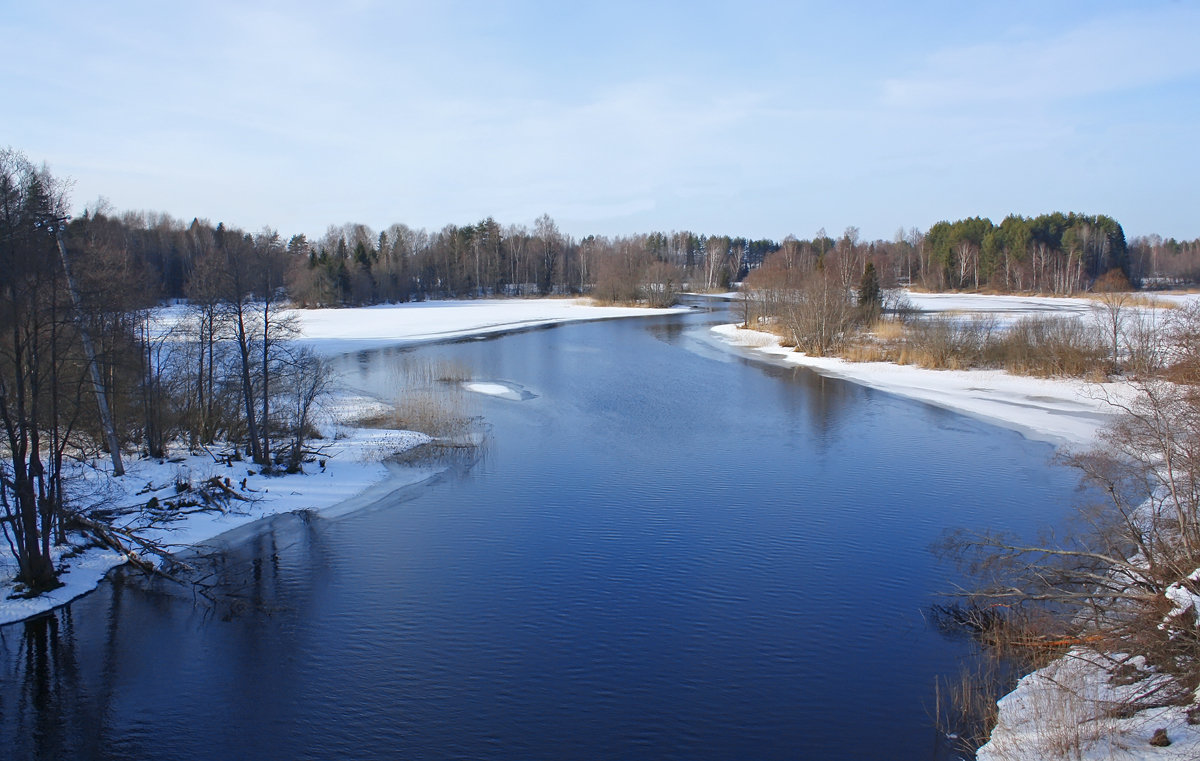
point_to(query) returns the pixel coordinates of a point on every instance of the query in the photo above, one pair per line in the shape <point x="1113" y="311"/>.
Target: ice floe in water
<point x="503" y="389"/>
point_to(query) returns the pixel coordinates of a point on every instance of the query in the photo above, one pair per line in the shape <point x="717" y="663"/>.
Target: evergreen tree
<point x="870" y="298"/>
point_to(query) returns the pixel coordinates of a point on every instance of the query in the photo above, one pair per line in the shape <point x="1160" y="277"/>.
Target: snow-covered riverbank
<point x="1063" y="412"/>
<point x="1071" y="710"/>
<point x="354" y="462"/>
<point x="354" y="467"/>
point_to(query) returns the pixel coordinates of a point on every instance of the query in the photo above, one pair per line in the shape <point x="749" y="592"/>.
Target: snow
<point x="499" y="389"/>
<point x="1066" y="711"/>
<point x="82" y="574"/>
<point x="354" y="474"/>
<point x="1003" y="307"/>
<point x="1060" y="411"/>
<point x="339" y="331"/>
<point x="494" y="389"/>
<point x="1184" y="599"/>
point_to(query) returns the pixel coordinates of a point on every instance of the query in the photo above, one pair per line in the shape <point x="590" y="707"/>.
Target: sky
<point x="760" y="119"/>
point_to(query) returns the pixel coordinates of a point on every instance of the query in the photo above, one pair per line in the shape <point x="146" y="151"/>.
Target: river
<point x="663" y="550"/>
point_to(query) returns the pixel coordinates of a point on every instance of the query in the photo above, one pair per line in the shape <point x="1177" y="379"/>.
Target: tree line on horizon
<point x="353" y="264"/>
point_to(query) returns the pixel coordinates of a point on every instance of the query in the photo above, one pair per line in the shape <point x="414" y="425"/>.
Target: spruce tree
<point x="869" y="297"/>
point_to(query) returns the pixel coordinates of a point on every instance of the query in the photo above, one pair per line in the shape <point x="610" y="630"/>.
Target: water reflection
<point x="40" y="660"/>
<point x="668" y="332"/>
<point x="249" y="572"/>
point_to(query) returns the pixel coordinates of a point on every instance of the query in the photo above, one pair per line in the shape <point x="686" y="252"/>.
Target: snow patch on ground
<point x="491" y="389"/>
<point x="1004" y="308"/>
<point x="1070" y="710"/>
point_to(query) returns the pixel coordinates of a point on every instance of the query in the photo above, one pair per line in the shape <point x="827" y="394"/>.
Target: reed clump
<point x="429" y="399"/>
<point x="1044" y="346"/>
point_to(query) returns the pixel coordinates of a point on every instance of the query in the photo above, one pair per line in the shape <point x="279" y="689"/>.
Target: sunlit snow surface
<point x="338" y="331"/>
<point x="354" y="472"/>
<point x="1066" y="711"/>
<point x="502" y="389"/>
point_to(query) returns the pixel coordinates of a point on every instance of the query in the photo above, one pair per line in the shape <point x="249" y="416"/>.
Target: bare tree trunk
<point x="243" y="340"/>
<point x="110" y="433"/>
<point x="266" y="381"/>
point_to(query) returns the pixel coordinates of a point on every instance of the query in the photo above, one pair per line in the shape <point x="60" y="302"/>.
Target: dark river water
<point x="666" y="551"/>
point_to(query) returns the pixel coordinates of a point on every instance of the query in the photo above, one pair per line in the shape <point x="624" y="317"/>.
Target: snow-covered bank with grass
<point x="1064" y="412"/>
<point x="1072" y="710"/>
<point x="349" y="474"/>
<point x="352" y="464"/>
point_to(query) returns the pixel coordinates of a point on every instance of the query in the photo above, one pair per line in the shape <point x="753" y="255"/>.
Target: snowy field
<point x="338" y="331"/>
<point x="354" y="473"/>
<point x="1004" y="308"/>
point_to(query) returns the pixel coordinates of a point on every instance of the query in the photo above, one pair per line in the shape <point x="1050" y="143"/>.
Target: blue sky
<point x="758" y="119"/>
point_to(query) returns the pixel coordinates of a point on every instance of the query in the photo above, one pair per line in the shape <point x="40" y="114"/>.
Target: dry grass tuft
<point x="429" y="399"/>
<point x="869" y="352"/>
<point x="1133" y="299"/>
<point x="1036" y="345"/>
<point x="888" y="330"/>
<point x="439" y="415"/>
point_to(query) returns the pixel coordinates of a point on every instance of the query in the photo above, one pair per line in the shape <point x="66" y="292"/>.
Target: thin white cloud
<point x="1132" y="50"/>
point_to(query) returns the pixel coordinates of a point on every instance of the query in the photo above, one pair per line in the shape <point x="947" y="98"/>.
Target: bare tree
<point x="304" y="378"/>
<point x="42" y="370"/>
<point x="549" y="247"/>
<point x="1113" y="292"/>
<point x="819" y="313"/>
<point x="716" y="251"/>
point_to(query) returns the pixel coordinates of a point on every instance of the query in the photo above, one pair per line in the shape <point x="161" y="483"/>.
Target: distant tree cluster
<point x="1052" y="253"/>
<point x="1160" y="263"/>
<point x="352" y="264"/>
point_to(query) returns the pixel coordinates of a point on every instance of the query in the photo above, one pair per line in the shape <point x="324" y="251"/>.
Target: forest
<point x="352" y="264"/>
